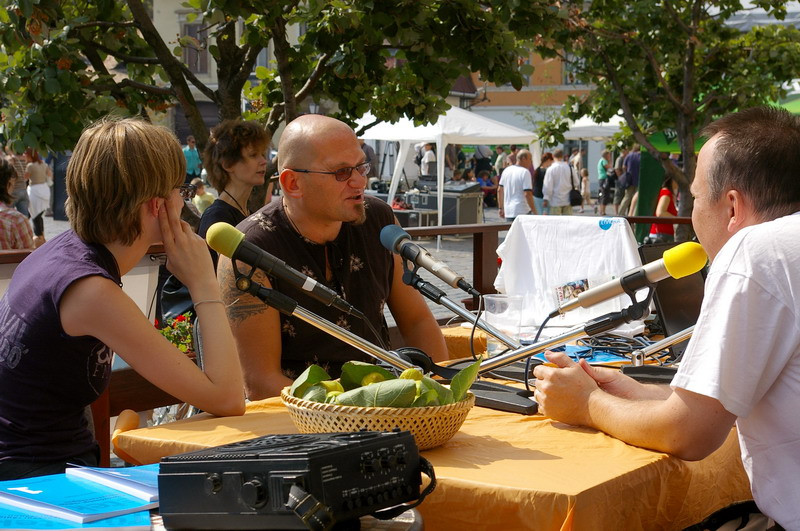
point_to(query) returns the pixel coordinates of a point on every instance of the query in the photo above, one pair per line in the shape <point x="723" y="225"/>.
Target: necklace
<point x="242" y="210"/>
<point x="291" y="221"/>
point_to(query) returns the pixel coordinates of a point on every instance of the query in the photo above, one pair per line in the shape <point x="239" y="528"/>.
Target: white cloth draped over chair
<point x="545" y="258"/>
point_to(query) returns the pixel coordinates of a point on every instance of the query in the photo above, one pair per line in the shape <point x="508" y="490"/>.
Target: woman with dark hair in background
<point x="15" y="229"/>
<point x="665" y="232"/>
<point x="37" y="173"/>
<point x="538" y="183"/>
<point x="236" y="161"/>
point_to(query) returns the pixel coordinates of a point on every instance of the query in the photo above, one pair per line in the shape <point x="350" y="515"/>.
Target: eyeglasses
<point x="187" y="191"/>
<point x="342" y="174"/>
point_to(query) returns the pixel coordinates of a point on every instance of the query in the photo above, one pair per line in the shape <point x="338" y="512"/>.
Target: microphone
<point x="677" y="262"/>
<point x="229" y="241"/>
<point x="399" y="242"/>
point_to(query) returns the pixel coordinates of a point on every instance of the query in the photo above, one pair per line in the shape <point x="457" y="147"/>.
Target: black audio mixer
<point x="246" y="485"/>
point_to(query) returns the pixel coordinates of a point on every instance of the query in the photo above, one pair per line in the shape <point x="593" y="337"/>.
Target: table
<point x="505" y="471"/>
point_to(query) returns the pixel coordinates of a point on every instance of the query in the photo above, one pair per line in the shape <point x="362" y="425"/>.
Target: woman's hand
<point x="187" y="253"/>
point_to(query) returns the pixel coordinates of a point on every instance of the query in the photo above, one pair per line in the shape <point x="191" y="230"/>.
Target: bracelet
<point x="198" y="303"/>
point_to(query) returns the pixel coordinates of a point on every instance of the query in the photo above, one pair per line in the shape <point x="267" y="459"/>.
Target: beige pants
<point x="565" y="210"/>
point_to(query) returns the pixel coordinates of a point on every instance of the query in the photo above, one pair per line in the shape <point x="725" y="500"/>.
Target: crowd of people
<point x="64" y="313"/>
<point x="25" y="197"/>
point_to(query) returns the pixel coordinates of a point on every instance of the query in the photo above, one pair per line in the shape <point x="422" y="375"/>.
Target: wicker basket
<point x="431" y="426"/>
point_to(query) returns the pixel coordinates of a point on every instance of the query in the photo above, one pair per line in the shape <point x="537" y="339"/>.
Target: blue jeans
<point x="21" y="202"/>
<point x="538" y="202"/>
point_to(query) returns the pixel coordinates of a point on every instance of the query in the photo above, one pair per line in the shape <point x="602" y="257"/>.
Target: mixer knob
<point x="254" y="493"/>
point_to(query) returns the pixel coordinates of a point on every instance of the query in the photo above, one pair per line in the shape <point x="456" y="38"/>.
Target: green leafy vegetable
<point x="353" y="372"/>
<point x="462" y="381"/>
<point x="311" y="376"/>
<point x="315" y="393"/>
<point x="427" y="398"/>
<point x="389" y="393"/>
<point x="445" y="395"/>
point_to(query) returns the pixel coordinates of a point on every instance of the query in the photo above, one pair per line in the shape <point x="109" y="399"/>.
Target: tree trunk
<point x="173" y="70"/>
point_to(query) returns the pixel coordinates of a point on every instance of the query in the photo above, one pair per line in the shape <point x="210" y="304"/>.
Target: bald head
<point x="304" y="136"/>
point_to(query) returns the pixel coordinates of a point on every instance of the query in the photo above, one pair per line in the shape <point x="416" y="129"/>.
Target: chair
<point x="548" y="259"/>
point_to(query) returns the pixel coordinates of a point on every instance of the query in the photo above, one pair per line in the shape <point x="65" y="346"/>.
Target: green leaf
<point x="13" y="84"/>
<point x="51" y="85"/>
<point x="262" y="72"/>
<point x="445" y="395"/>
<point x="311" y="376"/>
<point x="462" y="381"/>
<point x="428" y="398"/>
<point x="389" y="393"/>
<point x="355" y="371"/>
<point x="315" y="393"/>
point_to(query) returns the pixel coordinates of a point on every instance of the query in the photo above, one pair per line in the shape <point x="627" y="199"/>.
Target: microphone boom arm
<point x="289" y="306"/>
<point x="411" y="278"/>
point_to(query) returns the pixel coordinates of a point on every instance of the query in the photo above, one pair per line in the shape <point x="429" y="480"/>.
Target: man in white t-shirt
<point x="515" y="190"/>
<point x="742" y="364"/>
<point x="558" y="181"/>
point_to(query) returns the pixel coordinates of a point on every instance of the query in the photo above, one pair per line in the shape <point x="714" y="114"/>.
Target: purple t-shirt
<point x="47" y="378"/>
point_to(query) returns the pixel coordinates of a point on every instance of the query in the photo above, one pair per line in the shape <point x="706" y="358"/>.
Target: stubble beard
<point x="361" y="213"/>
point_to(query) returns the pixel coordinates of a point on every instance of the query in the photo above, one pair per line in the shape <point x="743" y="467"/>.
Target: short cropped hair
<point x="116" y="167"/>
<point x="225" y="145"/>
<point x="197" y="182"/>
<point x="7" y="173"/>
<point x="758" y="154"/>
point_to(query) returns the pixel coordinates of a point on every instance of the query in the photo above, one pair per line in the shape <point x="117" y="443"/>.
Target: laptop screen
<point x="677" y="301"/>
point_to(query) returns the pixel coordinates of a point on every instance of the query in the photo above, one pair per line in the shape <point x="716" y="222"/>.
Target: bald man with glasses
<point x="326" y="227"/>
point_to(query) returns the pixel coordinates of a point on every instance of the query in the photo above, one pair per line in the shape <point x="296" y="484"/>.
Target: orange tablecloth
<point x="506" y="471"/>
<point x="457" y="340"/>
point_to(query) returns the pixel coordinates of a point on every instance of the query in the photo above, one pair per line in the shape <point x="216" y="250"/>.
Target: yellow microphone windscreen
<point x="224" y="238"/>
<point x="684" y="259"/>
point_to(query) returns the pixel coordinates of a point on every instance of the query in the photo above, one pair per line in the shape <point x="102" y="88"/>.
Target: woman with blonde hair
<point x="64" y="313"/>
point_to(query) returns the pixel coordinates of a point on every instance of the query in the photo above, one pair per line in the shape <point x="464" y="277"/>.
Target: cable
<point x="528" y="360"/>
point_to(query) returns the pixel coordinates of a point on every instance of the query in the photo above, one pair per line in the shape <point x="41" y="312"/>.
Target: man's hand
<point x="612" y="381"/>
<point x="563" y="392"/>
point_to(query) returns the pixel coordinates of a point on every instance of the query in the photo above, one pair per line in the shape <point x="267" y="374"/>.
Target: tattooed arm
<point x="256" y="330"/>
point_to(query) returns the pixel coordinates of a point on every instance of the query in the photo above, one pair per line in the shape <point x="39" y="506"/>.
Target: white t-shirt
<point x="745" y="352"/>
<point x="558" y="183"/>
<point x="429" y="163"/>
<point x="515" y="180"/>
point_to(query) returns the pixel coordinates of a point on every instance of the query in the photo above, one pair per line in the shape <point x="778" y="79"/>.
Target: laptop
<point x="677" y="301"/>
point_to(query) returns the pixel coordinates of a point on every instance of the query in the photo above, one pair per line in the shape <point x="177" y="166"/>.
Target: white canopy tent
<point x="587" y="129"/>
<point x="456" y="126"/>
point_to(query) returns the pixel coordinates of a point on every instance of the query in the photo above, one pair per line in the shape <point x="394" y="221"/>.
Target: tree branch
<point x="199" y="85"/>
<point x="668" y="5"/>
<point x="275" y="117"/>
<point x="282" y="48"/>
<point x="654" y="64"/>
<point x="152" y="89"/>
<point x="121" y="56"/>
<point x="104" y="24"/>
<point x="311" y="82"/>
<point x="173" y="70"/>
